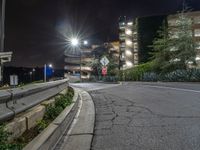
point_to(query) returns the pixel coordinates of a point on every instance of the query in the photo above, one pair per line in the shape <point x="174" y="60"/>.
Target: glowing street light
<point x="85" y="42"/>
<point x="50" y="66"/>
<point x="74" y="42"/>
<point x="77" y="43"/>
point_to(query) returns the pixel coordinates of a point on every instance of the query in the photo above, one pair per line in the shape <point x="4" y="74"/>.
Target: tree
<point x="160" y="54"/>
<point x="175" y="47"/>
<point x="184" y="44"/>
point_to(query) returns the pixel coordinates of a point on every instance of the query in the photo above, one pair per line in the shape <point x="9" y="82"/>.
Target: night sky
<point x="36" y="30"/>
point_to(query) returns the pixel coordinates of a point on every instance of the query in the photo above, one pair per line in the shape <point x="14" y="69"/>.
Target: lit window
<point x="197" y="32"/>
<point x="122" y="56"/>
<point x="129" y="64"/>
<point x="198" y="45"/>
<point x="172" y="22"/>
<point x="176" y="60"/>
<point x="129" y="42"/>
<point x="173" y="49"/>
<point x="128" y="32"/>
<point x="197" y="20"/>
<point x="135" y="45"/>
<point x="198" y="58"/>
<point x="130" y="23"/>
<point x="174" y="35"/>
<point x="128" y="53"/>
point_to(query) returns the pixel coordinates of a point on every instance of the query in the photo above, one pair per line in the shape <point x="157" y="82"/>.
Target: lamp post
<point x="45" y="71"/>
<point x="75" y="42"/>
<point x="3" y="4"/>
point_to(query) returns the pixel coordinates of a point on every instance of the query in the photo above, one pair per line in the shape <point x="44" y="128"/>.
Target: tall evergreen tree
<point x="175" y="47"/>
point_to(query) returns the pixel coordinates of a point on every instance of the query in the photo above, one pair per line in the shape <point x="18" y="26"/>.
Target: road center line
<point x="171" y="88"/>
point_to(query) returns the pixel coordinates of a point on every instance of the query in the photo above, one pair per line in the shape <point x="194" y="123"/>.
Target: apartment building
<point x="135" y="37"/>
<point x="128" y="43"/>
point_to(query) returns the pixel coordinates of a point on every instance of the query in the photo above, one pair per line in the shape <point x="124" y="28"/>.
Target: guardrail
<point x="15" y="101"/>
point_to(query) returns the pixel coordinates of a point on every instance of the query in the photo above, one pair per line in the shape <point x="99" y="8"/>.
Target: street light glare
<point x="50" y="65"/>
<point x="85" y="42"/>
<point x="74" y="41"/>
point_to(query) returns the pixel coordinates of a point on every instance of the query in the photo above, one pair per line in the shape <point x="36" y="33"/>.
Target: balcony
<point x="77" y="68"/>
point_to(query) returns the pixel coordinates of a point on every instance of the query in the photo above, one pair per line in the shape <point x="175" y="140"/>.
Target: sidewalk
<point x="80" y="134"/>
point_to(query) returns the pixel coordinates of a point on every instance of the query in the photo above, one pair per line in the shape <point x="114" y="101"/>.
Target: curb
<point x="80" y="134"/>
<point x="48" y="138"/>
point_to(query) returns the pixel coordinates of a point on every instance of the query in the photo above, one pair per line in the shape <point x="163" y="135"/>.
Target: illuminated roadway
<point x="146" y="116"/>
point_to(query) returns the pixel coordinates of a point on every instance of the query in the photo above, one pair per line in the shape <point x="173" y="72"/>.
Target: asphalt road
<point x="146" y="116"/>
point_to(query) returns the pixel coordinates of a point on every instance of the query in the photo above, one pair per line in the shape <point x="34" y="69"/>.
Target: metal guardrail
<point x="15" y="101"/>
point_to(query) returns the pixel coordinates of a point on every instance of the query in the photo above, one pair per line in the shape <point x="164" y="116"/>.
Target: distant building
<point x="77" y="64"/>
<point x="128" y="43"/>
<point x="113" y="51"/>
<point x="195" y="31"/>
<point x="135" y="37"/>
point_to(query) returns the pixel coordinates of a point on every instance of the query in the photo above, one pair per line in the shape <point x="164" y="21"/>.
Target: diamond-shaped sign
<point x="104" y="61"/>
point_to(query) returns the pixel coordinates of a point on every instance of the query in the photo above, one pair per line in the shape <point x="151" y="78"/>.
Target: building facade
<point x="135" y="38"/>
<point x="77" y="64"/>
<point x="128" y="43"/>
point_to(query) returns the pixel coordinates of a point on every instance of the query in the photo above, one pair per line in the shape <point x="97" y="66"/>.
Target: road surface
<point x="146" y="116"/>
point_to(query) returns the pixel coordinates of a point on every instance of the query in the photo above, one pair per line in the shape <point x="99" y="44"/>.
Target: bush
<point x="136" y="73"/>
<point x="150" y="76"/>
<point x="41" y="125"/>
<point x="52" y="112"/>
<point x="4" y="144"/>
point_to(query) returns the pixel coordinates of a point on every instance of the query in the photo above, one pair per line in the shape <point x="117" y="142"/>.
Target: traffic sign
<point x="104" y="61"/>
<point x="104" y="71"/>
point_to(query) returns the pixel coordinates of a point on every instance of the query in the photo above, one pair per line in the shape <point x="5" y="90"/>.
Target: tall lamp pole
<point x="2" y="37"/>
<point x="45" y="73"/>
<point x="2" y="24"/>
<point x="75" y="43"/>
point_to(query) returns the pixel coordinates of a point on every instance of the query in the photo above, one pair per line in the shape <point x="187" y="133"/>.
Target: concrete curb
<point x="80" y="134"/>
<point x="52" y="134"/>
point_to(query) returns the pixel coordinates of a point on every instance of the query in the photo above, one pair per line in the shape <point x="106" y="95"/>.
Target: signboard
<point x="13" y="80"/>
<point x="104" y="61"/>
<point x="49" y="71"/>
<point x="104" y="71"/>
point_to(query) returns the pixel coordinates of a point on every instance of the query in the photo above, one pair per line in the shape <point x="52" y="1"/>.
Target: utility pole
<point x="3" y="4"/>
<point x="2" y="24"/>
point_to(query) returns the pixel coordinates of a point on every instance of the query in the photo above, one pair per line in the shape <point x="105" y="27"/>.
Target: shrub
<point x="135" y="73"/>
<point x="41" y="125"/>
<point x="52" y="112"/>
<point x="4" y="144"/>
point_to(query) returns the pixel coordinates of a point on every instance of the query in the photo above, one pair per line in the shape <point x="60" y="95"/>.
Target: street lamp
<point x="76" y="43"/>
<point x="45" y="71"/>
<point x="85" y="42"/>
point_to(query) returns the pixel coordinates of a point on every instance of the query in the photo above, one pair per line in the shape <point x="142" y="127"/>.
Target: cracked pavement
<point x="139" y="116"/>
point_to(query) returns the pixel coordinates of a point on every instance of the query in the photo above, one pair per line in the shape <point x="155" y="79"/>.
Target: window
<point x="197" y="20"/>
<point x="172" y="22"/>
<point x="197" y="32"/>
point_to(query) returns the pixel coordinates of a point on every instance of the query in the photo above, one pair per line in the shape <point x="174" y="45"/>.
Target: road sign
<point x="13" y="80"/>
<point x="104" y="71"/>
<point x="104" y="61"/>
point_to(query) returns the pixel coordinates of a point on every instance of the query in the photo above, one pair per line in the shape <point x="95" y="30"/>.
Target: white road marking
<point x="171" y="88"/>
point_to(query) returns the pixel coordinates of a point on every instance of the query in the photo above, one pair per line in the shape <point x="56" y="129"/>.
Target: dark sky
<point x="36" y="29"/>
